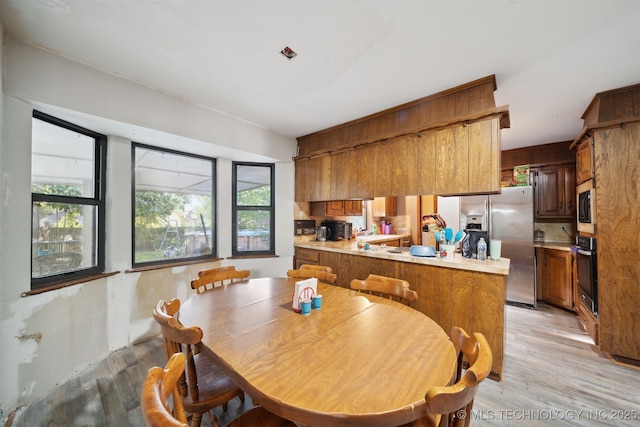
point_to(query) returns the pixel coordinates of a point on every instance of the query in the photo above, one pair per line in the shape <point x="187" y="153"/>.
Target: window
<point x="67" y="201"/>
<point x="253" y="209"/>
<point x="173" y="206"/>
<point x="359" y="222"/>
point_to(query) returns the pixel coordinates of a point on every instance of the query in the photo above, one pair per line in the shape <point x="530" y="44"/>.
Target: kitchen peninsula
<point x="463" y="292"/>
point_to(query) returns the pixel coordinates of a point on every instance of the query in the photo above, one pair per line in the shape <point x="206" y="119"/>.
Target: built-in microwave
<point x="586" y="212"/>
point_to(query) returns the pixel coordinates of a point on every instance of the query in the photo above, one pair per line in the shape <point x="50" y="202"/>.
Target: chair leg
<point x="213" y="419"/>
<point x="196" y="420"/>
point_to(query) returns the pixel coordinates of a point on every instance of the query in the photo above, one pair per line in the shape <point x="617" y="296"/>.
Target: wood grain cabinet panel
<point x="353" y="207"/>
<point x="617" y="179"/>
<point x="484" y="156"/>
<point x="384" y="206"/>
<point x="556" y="278"/>
<point x="555" y="191"/>
<point x="424" y="147"/>
<point x="341" y="165"/>
<point x="584" y="161"/>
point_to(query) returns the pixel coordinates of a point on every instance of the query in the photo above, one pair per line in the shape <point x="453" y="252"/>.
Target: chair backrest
<point x="450" y="401"/>
<point x="316" y="267"/>
<point x="159" y="385"/>
<point x="207" y="279"/>
<point x="388" y="287"/>
<point x="318" y="273"/>
<point x="178" y="339"/>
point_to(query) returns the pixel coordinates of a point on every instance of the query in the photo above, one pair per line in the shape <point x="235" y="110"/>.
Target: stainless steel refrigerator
<point x="508" y="217"/>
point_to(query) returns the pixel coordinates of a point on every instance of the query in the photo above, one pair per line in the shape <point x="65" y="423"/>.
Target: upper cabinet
<point x="343" y="208"/>
<point x="384" y="206"/>
<point x="555" y="191"/>
<point x="446" y="144"/>
<point x="584" y="161"/>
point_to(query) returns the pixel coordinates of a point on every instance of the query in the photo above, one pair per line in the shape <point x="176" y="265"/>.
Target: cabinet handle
<point x="560" y="205"/>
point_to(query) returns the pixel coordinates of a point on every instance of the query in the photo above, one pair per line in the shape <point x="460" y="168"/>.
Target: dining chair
<point x="204" y="386"/>
<point x="258" y="416"/>
<point x="451" y="405"/>
<point x="208" y="279"/>
<point x="387" y="287"/>
<point x="320" y="272"/>
<point x="160" y="386"/>
<point x="316" y="267"/>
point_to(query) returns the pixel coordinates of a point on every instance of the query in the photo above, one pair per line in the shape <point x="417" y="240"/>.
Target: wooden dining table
<point x="359" y="360"/>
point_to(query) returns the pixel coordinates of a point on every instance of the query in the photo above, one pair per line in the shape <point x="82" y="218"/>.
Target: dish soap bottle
<point x="482" y="249"/>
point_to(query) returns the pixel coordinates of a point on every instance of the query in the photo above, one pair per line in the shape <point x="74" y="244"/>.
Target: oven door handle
<point x="586" y="253"/>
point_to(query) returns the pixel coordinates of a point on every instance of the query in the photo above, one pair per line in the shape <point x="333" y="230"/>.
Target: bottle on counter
<point x="373" y="230"/>
<point x="482" y="249"/>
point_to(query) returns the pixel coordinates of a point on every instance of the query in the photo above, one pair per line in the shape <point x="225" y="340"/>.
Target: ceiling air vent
<point x="288" y="53"/>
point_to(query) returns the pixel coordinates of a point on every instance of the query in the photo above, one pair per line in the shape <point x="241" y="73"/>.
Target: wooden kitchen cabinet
<point x="385" y="206"/>
<point x="335" y="207"/>
<point x="555" y="191"/>
<point x="584" y="161"/>
<point x="556" y="277"/>
<point x="472" y="300"/>
<point x="306" y="256"/>
<point x="458" y="160"/>
<point x="343" y="207"/>
<point x="313" y="179"/>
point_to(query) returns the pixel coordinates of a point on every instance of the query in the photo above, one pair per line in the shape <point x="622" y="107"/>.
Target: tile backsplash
<point x="553" y="231"/>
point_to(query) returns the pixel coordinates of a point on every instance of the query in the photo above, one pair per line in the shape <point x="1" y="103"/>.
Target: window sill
<point x="67" y="283"/>
<point x="254" y="256"/>
<point x="172" y="264"/>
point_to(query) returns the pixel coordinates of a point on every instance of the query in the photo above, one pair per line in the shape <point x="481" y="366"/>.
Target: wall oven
<point x="587" y="268"/>
<point x="586" y="207"/>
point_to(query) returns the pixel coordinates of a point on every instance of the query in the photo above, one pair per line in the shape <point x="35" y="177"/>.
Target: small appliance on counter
<point x="304" y="227"/>
<point x="337" y="230"/>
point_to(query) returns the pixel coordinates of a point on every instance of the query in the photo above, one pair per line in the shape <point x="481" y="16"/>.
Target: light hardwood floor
<point x="553" y="375"/>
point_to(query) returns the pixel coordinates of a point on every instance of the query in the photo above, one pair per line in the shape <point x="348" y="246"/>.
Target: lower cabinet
<point x="305" y="256"/>
<point x="588" y="321"/>
<point x="555" y="275"/>
<point x="469" y="299"/>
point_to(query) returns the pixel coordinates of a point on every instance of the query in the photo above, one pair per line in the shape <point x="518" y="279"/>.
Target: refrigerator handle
<point x="487" y="210"/>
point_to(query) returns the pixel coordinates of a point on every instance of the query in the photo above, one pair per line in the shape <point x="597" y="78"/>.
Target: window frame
<point x="235" y="209"/>
<point x="98" y="201"/>
<point x="214" y="210"/>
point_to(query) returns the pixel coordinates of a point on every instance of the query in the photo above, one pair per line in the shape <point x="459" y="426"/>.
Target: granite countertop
<point x="379" y="251"/>
<point x="561" y="246"/>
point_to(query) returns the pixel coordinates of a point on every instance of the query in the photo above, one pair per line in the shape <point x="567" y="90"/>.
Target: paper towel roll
<point x="495" y="249"/>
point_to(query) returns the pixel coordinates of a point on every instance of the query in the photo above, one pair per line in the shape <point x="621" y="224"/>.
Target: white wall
<point x="48" y="338"/>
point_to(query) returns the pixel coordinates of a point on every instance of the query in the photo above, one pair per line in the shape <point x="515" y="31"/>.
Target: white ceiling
<point x="354" y="57"/>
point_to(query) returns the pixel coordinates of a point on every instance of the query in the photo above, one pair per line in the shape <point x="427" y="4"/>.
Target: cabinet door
<point x="452" y="161"/>
<point x="300" y="181"/>
<point x="484" y="156"/>
<point x="584" y="161"/>
<point x="317" y="179"/>
<point x="353" y="207"/>
<point x="341" y="175"/>
<point x="555" y="191"/>
<point x="557" y="278"/>
<point x="569" y="193"/>
<point x="334" y="208"/>
<point x="384" y="206"/>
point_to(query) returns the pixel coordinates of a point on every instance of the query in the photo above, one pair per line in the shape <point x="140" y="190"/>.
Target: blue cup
<point x="305" y="307"/>
<point x="316" y="302"/>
